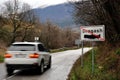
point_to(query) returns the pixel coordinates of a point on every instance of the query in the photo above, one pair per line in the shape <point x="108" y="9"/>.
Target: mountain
<point x="60" y="15"/>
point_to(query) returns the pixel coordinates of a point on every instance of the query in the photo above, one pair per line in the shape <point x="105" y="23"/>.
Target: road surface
<point x="62" y="63"/>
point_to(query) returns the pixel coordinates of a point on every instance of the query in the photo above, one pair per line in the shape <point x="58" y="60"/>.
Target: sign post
<point x="92" y="33"/>
<point x="82" y="54"/>
<point x="93" y="60"/>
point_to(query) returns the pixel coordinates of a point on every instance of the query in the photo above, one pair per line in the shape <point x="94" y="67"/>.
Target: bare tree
<point x="55" y="37"/>
<point x="50" y="35"/>
<point x="20" y="17"/>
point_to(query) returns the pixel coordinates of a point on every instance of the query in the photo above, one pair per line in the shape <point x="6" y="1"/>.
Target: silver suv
<point x="25" y="55"/>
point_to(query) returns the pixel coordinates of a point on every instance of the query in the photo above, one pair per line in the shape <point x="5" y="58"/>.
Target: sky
<point x="40" y="3"/>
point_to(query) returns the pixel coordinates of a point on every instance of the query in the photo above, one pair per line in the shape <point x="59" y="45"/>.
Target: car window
<point x="22" y="47"/>
<point x="41" y="47"/>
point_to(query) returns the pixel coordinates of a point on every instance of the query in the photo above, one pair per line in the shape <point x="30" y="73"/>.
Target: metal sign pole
<point x="82" y="55"/>
<point x="93" y="62"/>
<point x="78" y="45"/>
<point x="82" y="48"/>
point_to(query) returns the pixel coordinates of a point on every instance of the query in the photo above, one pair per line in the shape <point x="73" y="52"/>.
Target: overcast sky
<point x="40" y="3"/>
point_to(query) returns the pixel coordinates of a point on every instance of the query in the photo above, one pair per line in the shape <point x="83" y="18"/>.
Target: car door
<point x="42" y="50"/>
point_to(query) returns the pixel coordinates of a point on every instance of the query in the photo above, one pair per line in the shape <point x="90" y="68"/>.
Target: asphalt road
<point x="62" y="63"/>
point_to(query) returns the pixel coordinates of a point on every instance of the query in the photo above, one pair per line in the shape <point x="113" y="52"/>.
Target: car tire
<point x="41" y="68"/>
<point x="49" y="65"/>
<point x="10" y="71"/>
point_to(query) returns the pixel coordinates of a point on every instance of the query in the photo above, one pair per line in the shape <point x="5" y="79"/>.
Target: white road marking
<point x="7" y="78"/>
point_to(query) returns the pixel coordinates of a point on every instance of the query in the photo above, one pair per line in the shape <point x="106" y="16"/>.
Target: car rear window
<point x="22" y="47"/>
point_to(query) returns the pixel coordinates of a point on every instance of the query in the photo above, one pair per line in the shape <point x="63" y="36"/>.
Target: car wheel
<point x="10" y="71"/>
<point x="49" y="65"/>
<point x="41" y="68"/>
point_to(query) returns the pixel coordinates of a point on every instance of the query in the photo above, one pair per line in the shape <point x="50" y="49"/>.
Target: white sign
<point x="77" y="41"/>
<point x="36" y="38"/>
<point x="93" y="33"/>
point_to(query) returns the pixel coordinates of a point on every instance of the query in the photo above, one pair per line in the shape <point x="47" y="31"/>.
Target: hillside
<point x="58" y="14"/>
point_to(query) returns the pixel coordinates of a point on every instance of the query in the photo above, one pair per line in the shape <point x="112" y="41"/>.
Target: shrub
<point x="118" y="51"/>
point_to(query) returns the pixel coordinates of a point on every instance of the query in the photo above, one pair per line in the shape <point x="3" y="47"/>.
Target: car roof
<point x="35" y="43"/>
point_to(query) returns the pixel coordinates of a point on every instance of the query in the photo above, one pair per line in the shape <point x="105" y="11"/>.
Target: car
<point x="27" y="55"/>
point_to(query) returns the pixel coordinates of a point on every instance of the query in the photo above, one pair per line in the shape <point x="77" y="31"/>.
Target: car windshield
<point x="22" y="47"/>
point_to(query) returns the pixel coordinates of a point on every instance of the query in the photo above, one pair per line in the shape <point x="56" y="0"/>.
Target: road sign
<point x="77" y="41"/>
<point x="93" y="33"/>
<point x="36" y="39"/>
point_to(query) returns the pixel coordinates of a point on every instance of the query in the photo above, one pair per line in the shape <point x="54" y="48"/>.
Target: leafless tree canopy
<point x="19" y="17"/>
<point x="56" y="37"/>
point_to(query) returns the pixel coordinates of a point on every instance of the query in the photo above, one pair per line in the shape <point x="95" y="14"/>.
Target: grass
<point x="103" y="70"/>
<point x="1" y="59"/>
<point x="2" y="51"/>
<point x="63" y="49"/>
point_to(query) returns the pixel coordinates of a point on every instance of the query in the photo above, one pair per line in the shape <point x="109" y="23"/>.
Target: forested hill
<point x="59" y="14"/>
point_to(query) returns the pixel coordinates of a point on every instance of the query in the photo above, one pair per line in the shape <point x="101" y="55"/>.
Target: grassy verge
<point x="1" y="59"/>
<point x="63" y="49"/>
<point x="106" y="67"/>
<point x="2" y="51"/>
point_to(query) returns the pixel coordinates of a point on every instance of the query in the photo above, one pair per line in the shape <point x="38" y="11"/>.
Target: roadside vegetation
<point x="2" y="51"/>
<point x="107" y="65"/>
